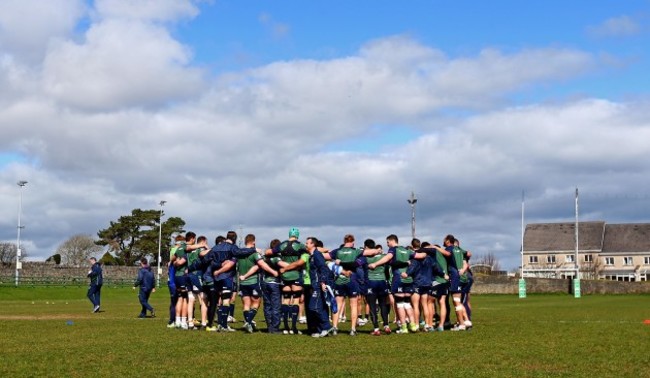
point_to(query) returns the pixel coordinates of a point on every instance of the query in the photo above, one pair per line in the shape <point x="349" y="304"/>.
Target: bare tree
<point x="591" y="269"/>
<point x="489" y="259"/>
<point x="76" y="250"/>
<point x="8" y="253"/>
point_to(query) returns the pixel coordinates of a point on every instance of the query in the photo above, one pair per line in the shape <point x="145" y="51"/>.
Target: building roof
<point x="552" y="237"/>
<point x="631" y="237"/>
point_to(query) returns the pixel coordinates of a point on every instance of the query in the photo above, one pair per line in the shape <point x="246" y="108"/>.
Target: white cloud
<point x="27" y="27"/>
<point x="121" y="118"/>
<point x="147" y="10"/>
<point x="278" y="30"/>
<point x="120" y="63"/>
<point x="621" y="26"/>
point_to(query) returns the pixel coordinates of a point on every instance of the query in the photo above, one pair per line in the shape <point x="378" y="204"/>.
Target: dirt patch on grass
<point x="46" y="317"/>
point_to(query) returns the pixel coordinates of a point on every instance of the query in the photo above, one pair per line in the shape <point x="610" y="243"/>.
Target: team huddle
<point x="416" y="282"/>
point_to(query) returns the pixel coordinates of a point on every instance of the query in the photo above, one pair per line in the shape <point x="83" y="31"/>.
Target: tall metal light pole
<point x="21" y="184"/>
<point x="162" y="203"/>
<point x="576" y="278"/>
<point x="412" y="201"/>
<point x="523" y="230"/>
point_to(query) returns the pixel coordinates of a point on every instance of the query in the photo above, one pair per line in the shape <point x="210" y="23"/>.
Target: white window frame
<point x="533" y="260"/>
<point x="609" y="261"/>
<point x="550" y="259"/>
<point x="570" y="258"/>
<point x="646" y="260"/>
<point x="589" y="258"/>
<point x="628" y="260"/>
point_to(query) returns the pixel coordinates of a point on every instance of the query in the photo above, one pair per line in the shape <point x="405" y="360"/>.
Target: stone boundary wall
<point x="507" y="285"/>
<point x="483" y="284"/>
<point x="42" y="269"/>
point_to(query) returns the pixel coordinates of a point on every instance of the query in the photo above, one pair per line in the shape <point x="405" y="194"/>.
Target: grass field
<point x="51" y="332"/>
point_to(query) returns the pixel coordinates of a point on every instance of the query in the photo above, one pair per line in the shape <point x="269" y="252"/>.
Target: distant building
<point x="619" y="252"/>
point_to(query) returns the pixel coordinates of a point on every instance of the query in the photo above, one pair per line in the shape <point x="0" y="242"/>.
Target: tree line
<point x="127" y="240"/>
<point x="132" y="237"/>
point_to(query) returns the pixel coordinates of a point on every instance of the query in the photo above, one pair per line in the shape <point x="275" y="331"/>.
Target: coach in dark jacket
<point x="96" y="280"/>
<point x="146" y="283"/>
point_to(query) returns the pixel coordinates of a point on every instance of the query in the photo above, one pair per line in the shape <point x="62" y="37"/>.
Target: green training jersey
<point x="245" y="264"/>
<point x="462" y="253"/>
<point x="442" y="265"/>
<point x="348" y="260"/>
<point x="273" y="263"/>
<point x="379" y="273"/>
<point x="180" y="253"/>
<point x="192" y="257"/>
<point x="306" y="280"/>
<point x="290" y="251"/>
<point x="400" y="262"/>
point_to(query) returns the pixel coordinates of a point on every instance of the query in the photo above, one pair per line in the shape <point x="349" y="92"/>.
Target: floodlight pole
<point x="412" y="201"/>
<point x="522" y="233"/>
<point x="577" y="263"/>
<point x="576" y="279"/>
<point x="240" y="237"/>
<point x="162" y="203"/>
<point x="21" y="184"/>
<point x="522" y="280"/>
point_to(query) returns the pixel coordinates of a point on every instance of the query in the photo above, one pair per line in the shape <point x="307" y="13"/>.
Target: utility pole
<point x="412" y="201"/>
<point x="22" y="184"/>
<point x="162" y="203"/>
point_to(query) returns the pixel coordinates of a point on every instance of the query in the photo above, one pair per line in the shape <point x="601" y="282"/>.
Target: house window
<point x="550" y="259"/>
<point x="627" y="261"/>
<point x="609" y="261"/>
<point x="646" y="260"/>
<point x="589" y="258"/>
<point x="570" y="258"/>
<point x="532" y="259"/>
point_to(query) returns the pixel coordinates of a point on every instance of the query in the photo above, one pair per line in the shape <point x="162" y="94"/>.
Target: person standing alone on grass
<point x="146" y="283"/>
<point x="96" y="282"/>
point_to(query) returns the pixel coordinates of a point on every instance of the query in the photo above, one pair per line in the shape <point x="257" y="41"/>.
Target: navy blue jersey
<point x="318" y="271"/>
<point x="221" y="253"/>
<point x="145" y="279"/>
<point x="421" y="271"/>
<point x="96" y="276"/>
<point x="453" y="259"/>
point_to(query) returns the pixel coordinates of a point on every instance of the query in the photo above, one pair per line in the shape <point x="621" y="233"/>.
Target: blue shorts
<point x="422" y="290"/>
<point x="252" y="290"/>
<point x="439" y="289"/>
<point x="363" y="286"/>
<point x="465" y="287"/>
<point x="378" y="288"/>
<point x="224" y="286"/>
<point x="454" y="281"/>
<point x="181" y="283"/>
<point x="399" y="287"/>
<point x="349" y="290"/>
<point x="195" y="284"/>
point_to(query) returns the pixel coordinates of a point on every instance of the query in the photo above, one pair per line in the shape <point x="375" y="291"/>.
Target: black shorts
<point x="422" y="290"/>
<point x="252" y="290"/>
<point x="439" y="289"/>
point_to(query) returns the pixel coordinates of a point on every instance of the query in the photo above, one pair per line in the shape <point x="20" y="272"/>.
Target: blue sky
<point x="316" y="30"/>
<point x="339" y="108"/>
